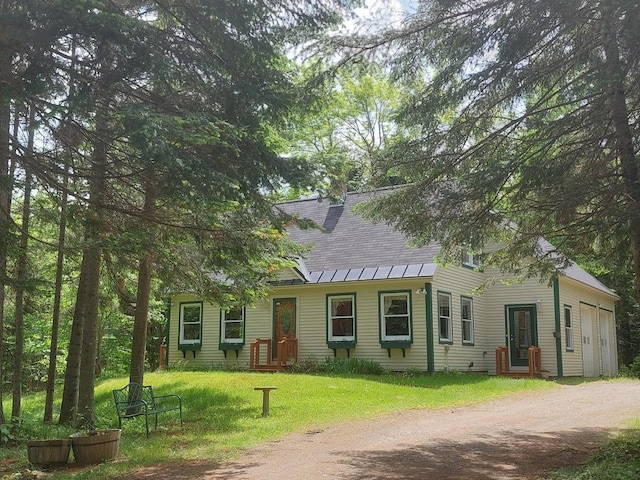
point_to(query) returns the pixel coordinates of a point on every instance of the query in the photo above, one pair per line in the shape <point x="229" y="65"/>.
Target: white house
<point x="361" y="291"/>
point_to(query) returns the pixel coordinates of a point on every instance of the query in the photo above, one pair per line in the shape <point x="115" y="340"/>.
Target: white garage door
<point x="587" y="319"/>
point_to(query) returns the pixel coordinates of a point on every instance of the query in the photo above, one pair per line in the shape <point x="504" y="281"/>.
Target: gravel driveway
<point x="520" y="437"/>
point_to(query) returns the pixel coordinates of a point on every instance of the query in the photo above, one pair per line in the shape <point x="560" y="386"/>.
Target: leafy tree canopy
<point x="527" y="121"/>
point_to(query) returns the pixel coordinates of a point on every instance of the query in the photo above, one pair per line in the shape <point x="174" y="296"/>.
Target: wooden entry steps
<point x="261" y="360"/>
<point x="503" y="369"/>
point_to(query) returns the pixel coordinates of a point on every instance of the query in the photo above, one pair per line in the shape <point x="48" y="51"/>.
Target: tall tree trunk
<point x="85" y="417"/>
<point x="615" y="76"/>
<point x="69" y="407"/>
<point x="5" y="179"/>
<point x="72" y="371"/>
<point x="145" y="271"/>
<point x="22" y="279"/>
<point x="139" y="347"/>
<point x="55" y="323"/>
<point x="93" y="254"/>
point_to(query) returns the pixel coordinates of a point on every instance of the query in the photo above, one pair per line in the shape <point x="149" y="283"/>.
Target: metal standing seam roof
<point x="372" y="273"/>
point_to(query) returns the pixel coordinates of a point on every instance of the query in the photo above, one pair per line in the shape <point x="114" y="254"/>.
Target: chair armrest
<point x="159" y="397"/>
<point x="125" y="406"/>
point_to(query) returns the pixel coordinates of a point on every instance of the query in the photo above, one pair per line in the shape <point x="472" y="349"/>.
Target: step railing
<point x="260" y="356"/>
<point x="502" y="361"/>
<point x="535" y="363"/>
<point x="287" y="352"/>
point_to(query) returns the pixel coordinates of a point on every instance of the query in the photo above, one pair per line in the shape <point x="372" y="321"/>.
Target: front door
<point x="284" y="321"/>
<point x="522" y="333"/>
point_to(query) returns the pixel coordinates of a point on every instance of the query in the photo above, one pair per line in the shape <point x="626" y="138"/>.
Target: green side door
<point x="523" y="333"/>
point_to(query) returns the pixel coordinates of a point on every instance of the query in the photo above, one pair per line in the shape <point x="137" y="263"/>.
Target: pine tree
<point x="526" y="119"/>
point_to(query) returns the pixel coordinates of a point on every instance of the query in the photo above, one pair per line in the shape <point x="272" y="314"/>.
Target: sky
<point x="378" y="14"/>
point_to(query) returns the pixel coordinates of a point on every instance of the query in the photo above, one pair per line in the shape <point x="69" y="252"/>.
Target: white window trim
<point x="190" y="341"/>
<point x="223" y="323"/>
<point x="447" y="296"/>
<point x="568" y="331"/>
<point x="471" y="259"/>
<point x="330" y="318"/>
<point x="383" y="323"/>
<point x="470" y="320"/>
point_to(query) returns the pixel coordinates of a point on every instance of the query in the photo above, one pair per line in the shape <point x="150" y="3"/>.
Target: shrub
<point x="352" y="366"/>
<point x="634" y="368"/>
<point x="338" y="366"/>
<point x="308" y="365"/>
<point x="415" y="372"/>
<point x="6" y="434"/>
<point x="24" y="429"/>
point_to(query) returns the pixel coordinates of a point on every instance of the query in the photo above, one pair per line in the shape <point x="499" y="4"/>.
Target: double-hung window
<point x="395" y="316"/>
<point x="466" y="315"/>
<point x="445" y="320"/>
<point x="232" y="325"/>
<point x="568" y="328"/>
<point x="341" y="318"/>
<point x="190" y="330"/>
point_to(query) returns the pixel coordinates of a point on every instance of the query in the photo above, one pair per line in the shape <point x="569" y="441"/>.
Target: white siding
<point x="490" y="317"/>
<point x="505" y="291"/>
<point x="287" y="274"/>
<point x="312" y="322"/>
<point x="489" y="305"/>
<point x="462" y="282"/>
<point x="311" y="326"/>
<point x="572" y="295"/>
<point x="575" y="294"/>
<point x="210" y="334"/>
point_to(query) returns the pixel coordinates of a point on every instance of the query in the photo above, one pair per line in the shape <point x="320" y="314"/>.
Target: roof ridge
<point x="349" y="193"/>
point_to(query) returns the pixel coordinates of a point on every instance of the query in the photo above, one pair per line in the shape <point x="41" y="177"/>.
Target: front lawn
<point x="223" y="412"/>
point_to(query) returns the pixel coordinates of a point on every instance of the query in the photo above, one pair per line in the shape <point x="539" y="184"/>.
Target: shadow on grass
<point x="202" y="407"/>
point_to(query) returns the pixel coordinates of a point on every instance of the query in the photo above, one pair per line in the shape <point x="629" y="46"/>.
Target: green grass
<point x="617" y="459"/>
<point x="222" y="411"/>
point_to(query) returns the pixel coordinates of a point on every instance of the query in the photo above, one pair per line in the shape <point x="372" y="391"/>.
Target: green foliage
<point x="414" y="372"/>
<point x="26" y="428"/>
<point x="194" y="96"/>
<point x="523" y="121"/>
<point x="338" y="366"/>
<point x="344" y="129"/>
<point x="308" y="365"/>
<point x="618" y="459"/>
<point x="634" y="368"/>
<point x="351" y="366"/>
<point x="522" y="128"/>
<point x="6" y="434"/>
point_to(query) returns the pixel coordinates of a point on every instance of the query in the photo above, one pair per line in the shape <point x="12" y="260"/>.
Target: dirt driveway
<point x="520" y="437"/>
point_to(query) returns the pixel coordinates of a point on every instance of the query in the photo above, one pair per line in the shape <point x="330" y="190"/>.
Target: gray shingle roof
<point x="350" y="248"/>
<point x="576" y="273"/>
